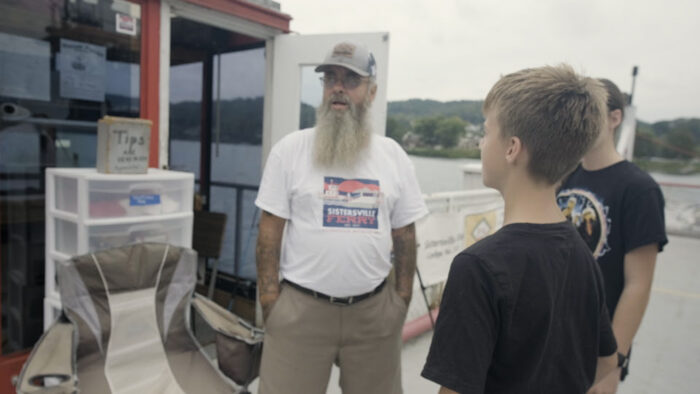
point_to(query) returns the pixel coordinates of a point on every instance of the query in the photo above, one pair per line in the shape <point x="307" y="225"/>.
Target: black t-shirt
<point x="615" y="209"/>
<point x="523" y="311"/>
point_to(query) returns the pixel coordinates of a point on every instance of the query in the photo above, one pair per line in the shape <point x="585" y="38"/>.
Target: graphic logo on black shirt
<point x="350" y="203"/>
<point x="590" y="217"/>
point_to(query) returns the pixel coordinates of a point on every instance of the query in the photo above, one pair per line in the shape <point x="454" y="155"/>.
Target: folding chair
<point x="126" y="328"/>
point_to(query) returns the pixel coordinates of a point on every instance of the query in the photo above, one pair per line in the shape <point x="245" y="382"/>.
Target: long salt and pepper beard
<point x="341" y="136"/>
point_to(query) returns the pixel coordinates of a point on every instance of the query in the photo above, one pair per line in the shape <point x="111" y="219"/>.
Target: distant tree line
<point x="437" y="123"/>
<point x="438" y="130"/>
<point x="241" y="120"/>
<point x="432" y="124"/>
<point x="433" y="128"/>
<point x="467" y="110"/>
<point x="676" y="139"/>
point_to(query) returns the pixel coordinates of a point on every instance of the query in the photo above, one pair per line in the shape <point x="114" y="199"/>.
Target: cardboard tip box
<point x="123" y="145"/>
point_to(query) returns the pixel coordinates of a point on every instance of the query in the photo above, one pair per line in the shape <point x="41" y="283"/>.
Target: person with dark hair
<point x="616" y="99"/>
<point x="625" y="232"/>
<point x="523" y="310"/>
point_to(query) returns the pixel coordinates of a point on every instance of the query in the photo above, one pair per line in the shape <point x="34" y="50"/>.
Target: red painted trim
<point x="1" y="265"/>
<point x="150" y="72"/>
<point x="418" y="326"/>
<point x="2" y="359"/>
<point x="9" y="367"/>
<point x="249" y="11"/>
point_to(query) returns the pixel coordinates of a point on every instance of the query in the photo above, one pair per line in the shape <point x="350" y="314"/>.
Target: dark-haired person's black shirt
<point x="615" y="210"/>
<point x="523" y="311"/>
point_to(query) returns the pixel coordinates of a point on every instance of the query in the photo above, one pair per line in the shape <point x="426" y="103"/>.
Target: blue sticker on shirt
<point x="136" y="200"/>
<point x="350" y="203"/>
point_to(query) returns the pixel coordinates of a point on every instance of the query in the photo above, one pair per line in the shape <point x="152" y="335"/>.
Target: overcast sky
<point x="457" y="49"/>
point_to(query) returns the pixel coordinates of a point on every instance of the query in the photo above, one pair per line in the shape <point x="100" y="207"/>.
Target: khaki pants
<point x="304" y="336"/>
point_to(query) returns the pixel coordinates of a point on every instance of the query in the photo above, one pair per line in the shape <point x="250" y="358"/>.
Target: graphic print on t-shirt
<point x="590" y="217"/>
<point x="350" y="203"/>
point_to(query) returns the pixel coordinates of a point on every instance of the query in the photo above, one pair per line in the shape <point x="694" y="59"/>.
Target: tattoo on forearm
<point x="268" y="268"/>
<point x="267" y="253"/>
<point x="404" y="258"/>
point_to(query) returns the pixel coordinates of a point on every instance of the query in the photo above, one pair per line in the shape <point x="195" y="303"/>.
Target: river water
<point x="439" y="175"/>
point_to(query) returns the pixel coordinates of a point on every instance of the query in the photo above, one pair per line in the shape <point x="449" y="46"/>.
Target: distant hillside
<point x="467" y="110"/>
<point x="673" y="139"/>
<point x="241" y="120"/>
<point x="431" y="123"/>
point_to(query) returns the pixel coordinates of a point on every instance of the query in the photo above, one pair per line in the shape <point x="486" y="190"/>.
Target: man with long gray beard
<point x="346" y="196"/>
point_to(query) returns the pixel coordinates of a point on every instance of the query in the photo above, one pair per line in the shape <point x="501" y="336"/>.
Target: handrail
<point x="61" y="122"/>
<point x="237" y="241"/>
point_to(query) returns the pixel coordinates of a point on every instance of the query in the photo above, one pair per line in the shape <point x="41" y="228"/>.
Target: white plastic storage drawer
<point x="65" y="233"/>
<point x="176" y="230"/>
<point x="126" y="198"/>
<point x="66" y="194"/>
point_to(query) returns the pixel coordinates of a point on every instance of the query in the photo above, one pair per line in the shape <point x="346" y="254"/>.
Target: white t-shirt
<point x="338" y="235"/>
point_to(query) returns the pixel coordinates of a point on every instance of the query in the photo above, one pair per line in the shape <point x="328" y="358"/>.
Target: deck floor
<point x="666" y="355"/>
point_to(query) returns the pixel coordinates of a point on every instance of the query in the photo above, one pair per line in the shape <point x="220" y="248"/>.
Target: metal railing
<point x="461" y="200"/>
<point x="238" y="214"/>
<point x="682" y="208"/>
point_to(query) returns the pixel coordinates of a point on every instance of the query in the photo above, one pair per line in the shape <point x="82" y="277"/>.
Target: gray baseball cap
<point x="352" y="56"/>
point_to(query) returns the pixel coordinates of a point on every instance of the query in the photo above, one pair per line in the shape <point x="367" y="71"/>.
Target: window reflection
<point x="237" y="152"/>
<point x="185" y="116"/>
<point x="311" y="96"/>
<point x="64" y="64"/>
<point x="217" y="88"/>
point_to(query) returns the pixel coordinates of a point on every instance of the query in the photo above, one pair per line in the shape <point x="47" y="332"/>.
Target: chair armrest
<point x="50" y="366"/>
<point x="225" y="322"/>
<point x="238" y="343"/>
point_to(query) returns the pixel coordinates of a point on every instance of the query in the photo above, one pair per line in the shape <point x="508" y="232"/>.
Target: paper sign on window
<point x="126" y="24"/>
<point x="82" y="68"/>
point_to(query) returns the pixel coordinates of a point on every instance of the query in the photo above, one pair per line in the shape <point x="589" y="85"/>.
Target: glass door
<point x="217" y="89"/>
<point x="63" y="65"/>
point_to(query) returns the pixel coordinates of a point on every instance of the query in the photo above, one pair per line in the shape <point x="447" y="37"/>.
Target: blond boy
<point x="524" y="309"/>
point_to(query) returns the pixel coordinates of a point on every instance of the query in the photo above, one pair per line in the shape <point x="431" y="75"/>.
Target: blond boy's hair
<point x="556" y="113"/>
